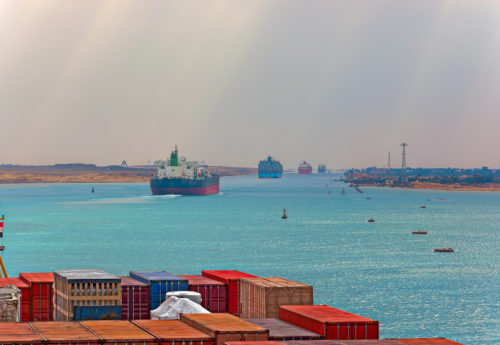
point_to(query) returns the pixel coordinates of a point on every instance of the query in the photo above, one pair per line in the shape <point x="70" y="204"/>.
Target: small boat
<point x="371" y="220"/>
<point x="423" y="206"/>
<point x="284" y="216"/>
<point x="444" y="250"/>
<point x="369" y="198"/>
<point x="419" y="232"/>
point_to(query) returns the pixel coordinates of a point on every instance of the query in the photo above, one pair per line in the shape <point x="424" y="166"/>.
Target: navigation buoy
<point x="92" y="189"/>
<point x="284" y="216"/>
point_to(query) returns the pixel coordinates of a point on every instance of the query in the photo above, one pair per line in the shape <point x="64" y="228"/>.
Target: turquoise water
<point x="378" y="270"/>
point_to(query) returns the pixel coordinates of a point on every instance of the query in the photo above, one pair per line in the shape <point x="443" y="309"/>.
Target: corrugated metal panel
<point x="135" y="299"/>
<point x="41" y="303"/>
<point x="18" y="333"/>
<point x="312" y="342"/>
<point x="25" y="296"/>
<point x="253" y="343"/>
<point x="174" y="332"/>
<point x="160" y="282"/>
<point x="65" y="333"/>
<point x="86" y="275"/>
<point x="262" y="297"/>
<point x="225" y="327"/>
<point x="213" y="293"/>
<point x="370" y="342"/>
<point x="103" y="312"/>
<point x="119" y="332"/>
<point x="428" y="341"/>
<point x="232" y="279"/>
<point x="334" y="324"/>
<point x="281" y="330"/>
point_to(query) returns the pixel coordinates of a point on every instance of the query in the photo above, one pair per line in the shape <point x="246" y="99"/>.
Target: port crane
<point x="2" y="248"/>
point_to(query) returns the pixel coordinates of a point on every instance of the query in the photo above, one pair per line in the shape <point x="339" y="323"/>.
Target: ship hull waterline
<point x="179" y="186"/>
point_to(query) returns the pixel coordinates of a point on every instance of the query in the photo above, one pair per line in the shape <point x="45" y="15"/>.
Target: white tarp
<point x="173" y="306"/>
<point x="192" y="295"/>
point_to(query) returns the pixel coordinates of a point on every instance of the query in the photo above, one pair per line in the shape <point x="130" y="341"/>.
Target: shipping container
<point x="41" y="304"/>
<point x="213" y="293"/>
<point x="160" y="282"/>
<point x="232" y="279"/>
<point x="332" y="323"/>
<point x="370" y="342"/>
<point x="102" y="312"/>
<point x="312" y="342"/>
<point x="84" y="287"/>
<point x="13" y="333"/>
<point x="427" y="341"/>
<point x="225" y="327"/>
<point x="253" y="343"/>
<point x="262" y="297"/>
<point x="135" y="299"/>
<point x="174" y="332"/>
<point x="281" y="330"/>
<point x="65" y="333"/>
<point x="9" y="304"/>
<point x="119" y="332"/>
<point x="25" y="300"/>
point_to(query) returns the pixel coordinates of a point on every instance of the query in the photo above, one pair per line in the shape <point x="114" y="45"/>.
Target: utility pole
<point x="403" y="163"/>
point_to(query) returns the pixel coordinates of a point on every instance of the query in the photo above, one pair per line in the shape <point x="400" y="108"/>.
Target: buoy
<point x="284" y="216"/>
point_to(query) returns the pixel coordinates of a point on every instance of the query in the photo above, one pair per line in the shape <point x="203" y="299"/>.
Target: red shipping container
<point x="213" y="293"/>
<point x="119" y="332"/>
<point x="232" y="279"/>
<point x="15" y="333"/>
<point x="314" y="342"/>
<point x="41" y="285"/>
<point x="253" y="343"/>
<point x="368" y="342"/>
<point x="427" y="341"/>
<point x="332" y="323"/>
<point x="65" y="333"/>
<point x="174" y="332"/>
<point x="25" y="295"/>
<point x="135" y="299"/>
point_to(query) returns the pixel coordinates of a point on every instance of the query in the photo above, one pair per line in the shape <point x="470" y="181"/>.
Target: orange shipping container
<point x="13" y="333"/>
<point x="65" y="333"/>
<point x="174" y="332"/>
<point x="253" y="343"/>
<point x="225" y="327"/>
<point x="427" y="341"/>
<point x="119" y="332"/>
<point x="262" y="297"/>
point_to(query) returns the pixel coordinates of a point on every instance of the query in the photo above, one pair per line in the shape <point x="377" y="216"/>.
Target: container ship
<point x="322" y="169"/>
<point x="305" y="168"/>
<point x="270" y="168"/>
<point x="178" y="176"/>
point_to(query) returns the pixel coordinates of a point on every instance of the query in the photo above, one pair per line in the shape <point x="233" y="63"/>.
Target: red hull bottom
<point x="209" y="190"/>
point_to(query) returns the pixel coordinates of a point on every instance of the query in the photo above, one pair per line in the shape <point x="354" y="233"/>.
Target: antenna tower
<point x="389" y="164"/>
<point x="403" y="163"/>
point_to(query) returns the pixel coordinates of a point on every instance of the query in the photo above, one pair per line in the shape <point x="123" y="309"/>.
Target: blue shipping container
<point x="160" y="283"/>
<point x="102" y="312"/>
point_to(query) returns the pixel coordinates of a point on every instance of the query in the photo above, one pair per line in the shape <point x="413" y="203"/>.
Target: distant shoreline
<point x="56" y="174"/>
<point x="490" y="187"/>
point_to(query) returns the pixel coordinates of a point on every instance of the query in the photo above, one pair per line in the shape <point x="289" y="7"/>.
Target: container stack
<point x="65" y="333"/>
<point x="332" y="323"/>
<point x="135" y="299"/>
<point x="24" y="302"/>
<point x="262" y="297"/>
<point x="280" y="330"/>
<point x="174" y="332"/>
<point x="86" y="294"/>
<point x="225" y="327"/>
<point x="232" y="279"/>
<point x="41" y="296"/>
<point x="213" y="293"/>
<point x="160" y="282"/>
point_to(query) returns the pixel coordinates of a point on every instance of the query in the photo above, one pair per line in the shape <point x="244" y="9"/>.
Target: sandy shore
<point x="487" y="187"/>
<point x="73" y="178"/>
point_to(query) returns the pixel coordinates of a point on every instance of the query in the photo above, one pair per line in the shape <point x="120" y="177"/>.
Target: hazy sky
<point x="338" y="82"/>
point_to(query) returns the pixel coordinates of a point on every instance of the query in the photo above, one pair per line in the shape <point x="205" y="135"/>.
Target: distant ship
<point x="270" y="168"/>
<point x="178" y="176"/>
<point x="322" y="169"/>
<point x="305" y="168"/>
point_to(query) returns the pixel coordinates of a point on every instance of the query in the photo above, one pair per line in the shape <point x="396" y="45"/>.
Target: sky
<point x="230" y="82"/>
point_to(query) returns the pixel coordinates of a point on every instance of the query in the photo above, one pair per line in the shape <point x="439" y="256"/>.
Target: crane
<point x="2" y="248"/>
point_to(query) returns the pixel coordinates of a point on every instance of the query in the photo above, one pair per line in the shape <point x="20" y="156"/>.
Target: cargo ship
<point x="178" y="176"/>
<point x="270" y="168"/>
<point x="305" y="168"/>
<point x="322" y="169"/>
